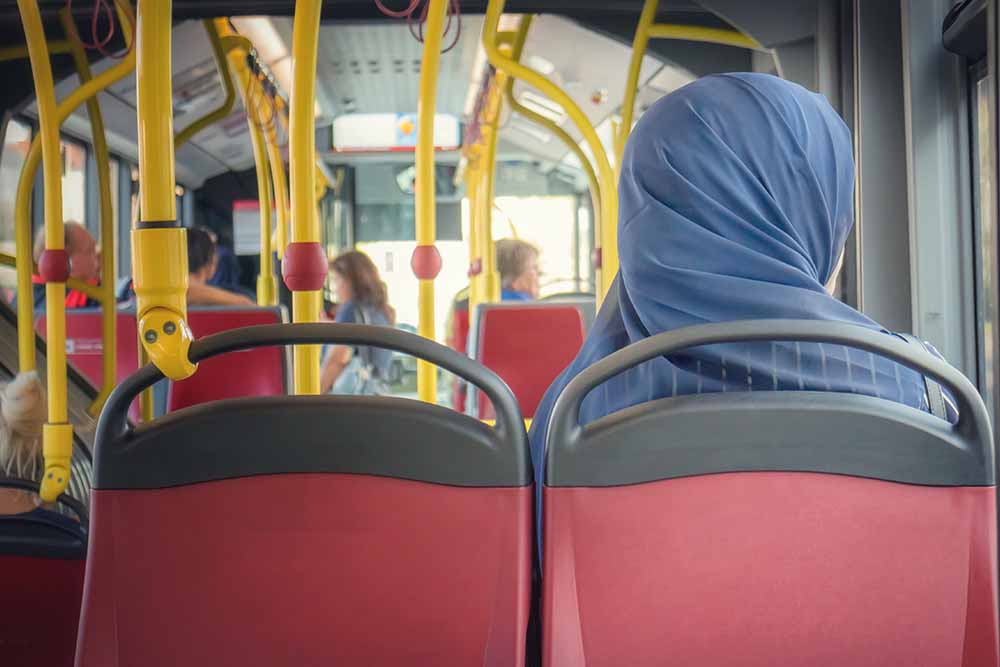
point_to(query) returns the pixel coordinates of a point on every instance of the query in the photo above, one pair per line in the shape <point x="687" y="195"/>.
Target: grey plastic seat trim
<point x="771" y="431"/>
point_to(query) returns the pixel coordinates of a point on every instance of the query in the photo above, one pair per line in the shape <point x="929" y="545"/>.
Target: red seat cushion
<point x="318" y="569"/>
<point x="256" y="372"/>
<point x="40" y="610"/>
<point x="528" y="347"/>
<point x="766" y="568"/>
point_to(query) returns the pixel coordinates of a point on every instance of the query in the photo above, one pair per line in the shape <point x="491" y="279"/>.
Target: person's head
<point x="201" y="254"/>
<point x="736" y="200"/>
<point x="517" y="263"/>
<point x="356" y="279"/>
<point x="22" y="414"/>
<point x="84" y="260"/>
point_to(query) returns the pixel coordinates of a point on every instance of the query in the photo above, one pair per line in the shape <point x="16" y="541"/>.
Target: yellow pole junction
<point x="517" y="47"/>
<point x="102" y="158"/>
<point x="426" y="252"/>
<point x="647" y="29"/>
<point x="57" y="433"/>
<point x="228" y="101"/>
<point x="306" y="303"/>
<point x="22" y="200"/>
<point x="607" y="232"/>
<point x="159" y="243"/>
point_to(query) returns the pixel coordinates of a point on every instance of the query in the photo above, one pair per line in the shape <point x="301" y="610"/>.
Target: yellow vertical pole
<point x="472" y="180"/>
<point x="607" y="234"/>
<point x="57" y="434"/>
<point x="304" y="268"/>
<point x="639" y="44"/>
<point x="426" y="260"/>
<point x="491" y="132"/>
<point x="102" y="158"/>
<point x="159" y="243"/>
<point x="277" y="165"/>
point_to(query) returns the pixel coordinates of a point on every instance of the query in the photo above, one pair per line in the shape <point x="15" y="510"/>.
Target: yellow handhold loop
<point x="57" y="449"/>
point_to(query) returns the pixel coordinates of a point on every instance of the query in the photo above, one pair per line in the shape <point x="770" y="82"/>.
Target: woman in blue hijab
<point x="736" y="199"/>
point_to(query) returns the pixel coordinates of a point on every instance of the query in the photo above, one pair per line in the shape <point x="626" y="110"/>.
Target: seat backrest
<point x="327" y="529"/>
<point x="586" y="302"/>
<point x="527" y="345"/>
<point x="41" y="575"/>
<point x="255" y="372"/>
<point x="85" y="345"/>
<point x="765" y="528"/>
<point x="460" y="343"/>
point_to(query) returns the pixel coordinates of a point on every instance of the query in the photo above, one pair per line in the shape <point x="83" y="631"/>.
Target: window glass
<point x="986" y="243"/>
<point x="16" y="142"/>
<point x="74" y="181"/>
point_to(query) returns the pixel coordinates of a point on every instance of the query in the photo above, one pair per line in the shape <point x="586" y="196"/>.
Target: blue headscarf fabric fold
<point x="736" y="198"/>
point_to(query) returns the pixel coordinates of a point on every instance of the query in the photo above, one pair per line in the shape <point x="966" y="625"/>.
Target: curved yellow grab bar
<point x="694" y="33"/>
<point x="228" y="101"/>
<point x="22" y="201"/>
<point x="607" y="232"/>
<point x="57" y="433"/>
<point x="517" y="46"/>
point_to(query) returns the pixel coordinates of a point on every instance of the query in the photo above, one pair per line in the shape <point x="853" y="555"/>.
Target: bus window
<point x="16" y="141"/>
<point x="985" y="239"/>
<point x="74" y="183"/>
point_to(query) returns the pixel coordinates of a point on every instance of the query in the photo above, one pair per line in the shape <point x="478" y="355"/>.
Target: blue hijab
<point x="735" y="202"/>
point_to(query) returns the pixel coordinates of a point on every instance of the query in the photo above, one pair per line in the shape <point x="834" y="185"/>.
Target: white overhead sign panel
<point x="391" y="132"/>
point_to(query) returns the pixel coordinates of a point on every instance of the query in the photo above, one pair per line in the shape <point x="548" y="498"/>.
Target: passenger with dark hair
<point x="736" y="199"/>
<point x="201" y="267"/>
<point x="362" y="299"/>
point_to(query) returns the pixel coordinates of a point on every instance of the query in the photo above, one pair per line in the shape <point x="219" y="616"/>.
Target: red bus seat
<point x="770" y="528"/>
<point x="85" y="344"/>
<point x="527" y="345"/>
<point x="310" y="529"/>
<point x="257" y="372"/>
<point x="41" y="576"/>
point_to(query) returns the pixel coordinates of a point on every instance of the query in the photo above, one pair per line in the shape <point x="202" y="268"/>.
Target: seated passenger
<point x="362" y="299"/>
<point x="517" y="264"/>
<point x="736" y="198"/>
<point x="201" y="267"/>
<point x="22" y="415"/>
<point x="84" y="264"/>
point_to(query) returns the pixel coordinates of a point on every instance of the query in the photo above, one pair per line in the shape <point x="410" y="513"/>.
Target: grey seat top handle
<point x="973" y="424"/>
<point x="113" y="422"/>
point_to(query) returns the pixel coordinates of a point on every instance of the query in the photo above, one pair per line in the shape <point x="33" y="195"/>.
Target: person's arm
<point x="208" y="295"/>
<point x="333" y="366"/>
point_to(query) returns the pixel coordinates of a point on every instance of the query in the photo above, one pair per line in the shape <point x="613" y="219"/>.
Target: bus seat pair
<point x="749" y="529"/>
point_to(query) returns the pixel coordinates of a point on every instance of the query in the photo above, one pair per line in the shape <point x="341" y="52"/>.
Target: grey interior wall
<point x="938" y="171"/>
<point x="880" y="153"/>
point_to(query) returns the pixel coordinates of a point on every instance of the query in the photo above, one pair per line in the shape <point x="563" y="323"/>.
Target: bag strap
<point x="935" y="395"/>
<point x="365" y="352"/>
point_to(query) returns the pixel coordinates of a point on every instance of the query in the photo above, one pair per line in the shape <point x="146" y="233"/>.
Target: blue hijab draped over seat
<point x="735" y="202"/>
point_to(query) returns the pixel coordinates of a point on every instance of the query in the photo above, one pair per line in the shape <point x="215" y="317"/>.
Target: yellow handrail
<point x="21" y="52"/>
<point x="306" y="303"/>
<point x="22" y="201"/>
<point x="57" y="433"/>
<point x="647" y="29"/>
<point x="228" y="101"/>
<point x="473" y="177"/>
<point x="607" y="232"/>
<point x="695" y="33"/>
<point x="491" y="136"/>
<point x="106" y="290"/>
<point x="425" y="214"/>
<point x="266" y="285"/>
<point x="159" y="242"/>
<point x="517" y="47"/>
